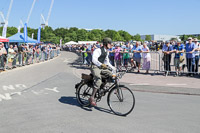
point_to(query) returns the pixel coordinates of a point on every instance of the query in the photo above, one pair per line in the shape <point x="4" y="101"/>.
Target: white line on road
<point x="140" y="84"/>
<point x="176" y="84"/>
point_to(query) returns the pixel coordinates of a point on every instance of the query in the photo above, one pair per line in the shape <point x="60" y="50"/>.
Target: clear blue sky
<point x="135" y="16"/>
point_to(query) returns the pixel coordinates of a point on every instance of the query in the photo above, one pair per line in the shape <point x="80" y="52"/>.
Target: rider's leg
<point x="97" y="82"/>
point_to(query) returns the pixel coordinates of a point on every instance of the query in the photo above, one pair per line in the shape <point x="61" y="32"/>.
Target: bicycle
<point x="120" y="98"/>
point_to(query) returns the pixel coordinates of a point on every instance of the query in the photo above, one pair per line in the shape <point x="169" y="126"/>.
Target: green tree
<point x="82" y="35"/>
<point x="61" y="32"/>
<point x="148" y="38"/>
<point x="11" y="31"/>
<point x="137" y="37"/>
<point x="114" y="35"/>
<point x="125" y="36"/>
<point x="198" y="37"/>
<point x="96" y="35"/>
<point x="67" y="39"/>
<point x="173" y="39"/>
<point x="73" y="36"/>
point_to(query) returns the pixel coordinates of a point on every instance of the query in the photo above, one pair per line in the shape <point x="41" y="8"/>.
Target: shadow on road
<point x="73" y="101"/>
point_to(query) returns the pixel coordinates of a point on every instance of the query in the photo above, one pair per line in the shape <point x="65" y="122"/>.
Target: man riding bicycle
<point x="100" y="60"/>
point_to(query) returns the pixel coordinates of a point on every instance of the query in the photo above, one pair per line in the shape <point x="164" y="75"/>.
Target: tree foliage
<point x="74" y="34"/>
<point x="148" y="38"/>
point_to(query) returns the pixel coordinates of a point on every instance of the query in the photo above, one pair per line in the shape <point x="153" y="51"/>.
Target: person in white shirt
<point x="197" y="46"/>
<point x="146" y="58"/>
<point x="3" y="57"/>
<point x="100" y="64"/>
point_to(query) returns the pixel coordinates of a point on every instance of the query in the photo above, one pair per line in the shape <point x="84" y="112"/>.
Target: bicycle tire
<point x="83" y="98"/>
<point x="116" y="94"/>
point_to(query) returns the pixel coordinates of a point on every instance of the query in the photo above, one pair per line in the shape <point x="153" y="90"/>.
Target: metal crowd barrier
<point x="158" y="63"/>
<point x="120" y="64"/>
<point x="26" y="58"/>
<point x="183" y="65"/>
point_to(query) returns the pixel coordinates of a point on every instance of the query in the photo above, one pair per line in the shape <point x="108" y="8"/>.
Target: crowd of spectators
<point x="14" y="56"/>
<point x="190" y="49"/>
<point x="137" y="55"/>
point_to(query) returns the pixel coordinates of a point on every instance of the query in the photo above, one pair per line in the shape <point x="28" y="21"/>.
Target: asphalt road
<point x="41" y="99"/>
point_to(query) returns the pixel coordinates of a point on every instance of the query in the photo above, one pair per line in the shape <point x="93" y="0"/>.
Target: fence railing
<point x="20" y="59"/>
<point x="158" y="62"/>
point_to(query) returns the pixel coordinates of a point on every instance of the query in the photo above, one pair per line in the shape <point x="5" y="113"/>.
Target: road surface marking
<point x="140" y="84"/>
<point x="176" y="84"/>
<point x="54" y="89"/>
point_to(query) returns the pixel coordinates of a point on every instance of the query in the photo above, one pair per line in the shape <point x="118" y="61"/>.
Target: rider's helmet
<point x="107" y="41"/>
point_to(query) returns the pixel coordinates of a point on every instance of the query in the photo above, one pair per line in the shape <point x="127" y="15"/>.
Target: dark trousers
<point x="90" y="57"/>
<point x="112" y="60"/>
<point x="83" y="56"/>
<point x="2" y="60"/>
<point x="167" y="61"/>
<point x="87" y="60"/>
<point x="196" y="69"/>
<point x="190" y="65"/>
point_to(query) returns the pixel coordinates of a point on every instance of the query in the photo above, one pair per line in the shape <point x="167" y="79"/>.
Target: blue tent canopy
<point x="19" y="37"/>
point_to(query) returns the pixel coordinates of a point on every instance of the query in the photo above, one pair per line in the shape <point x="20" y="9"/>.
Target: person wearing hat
<point x="190" y="56"/>
<point x="137" y="54"/>
<point x="178" y="58"/>
<point x="167" y="51"/>
<point x="100" y="64"/>
<point x="196" y="53"/>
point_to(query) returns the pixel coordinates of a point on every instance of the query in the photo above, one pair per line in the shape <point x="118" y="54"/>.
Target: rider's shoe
<point x="114" y="76"/>
<point x="92" y="102"/>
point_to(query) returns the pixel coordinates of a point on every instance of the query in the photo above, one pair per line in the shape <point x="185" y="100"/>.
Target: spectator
<point x="118" y="57"/>
<point x="146" y="58"/>
<point x="167" y="50"/>
<point x="37" y="52"/>
<point x="11" y="55"/>
<point x="178" y="58"/>
<point x="137" y="55"/>
<point x="89" y="52"/>
<point x="197" y="46"/>
<point x="3" y="56"/>
<point x="20" y="54"/>
<point x="0" y="58"/>
<point x="126" y="56"/>
<point x="15" y="57"/>
<point x="190" y="56"/>
<point x="112" y="55"/>
<point x="27" y="55"/>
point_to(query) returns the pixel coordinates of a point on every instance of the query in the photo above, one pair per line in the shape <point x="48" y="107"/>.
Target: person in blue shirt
<point x="137" y="55"/>
<point x="190" y="56"/>
<point x="89" y="53"/>
<point x="178" y="58"/>
<point x="112" y="55"/>
<point x="167" y="51"/>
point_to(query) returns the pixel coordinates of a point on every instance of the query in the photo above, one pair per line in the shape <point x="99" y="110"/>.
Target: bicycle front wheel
<point x="121" y="100"/>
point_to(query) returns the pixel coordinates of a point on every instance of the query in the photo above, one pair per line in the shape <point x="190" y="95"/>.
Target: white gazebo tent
<point x="71" y="43"/>
<point x="87" y="42"/>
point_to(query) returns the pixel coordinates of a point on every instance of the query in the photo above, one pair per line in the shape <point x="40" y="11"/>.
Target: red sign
<point x="2" y="39"/>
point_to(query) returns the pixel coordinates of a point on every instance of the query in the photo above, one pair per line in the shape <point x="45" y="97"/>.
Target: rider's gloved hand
<point x="104" y="66"/>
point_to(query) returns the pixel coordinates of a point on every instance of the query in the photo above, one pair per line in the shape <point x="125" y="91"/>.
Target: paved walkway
<point x="154" y="80"/>
<point x="157" y="83"/>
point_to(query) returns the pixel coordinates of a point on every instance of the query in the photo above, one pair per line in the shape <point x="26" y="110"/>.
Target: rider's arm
<point x="95" y="56"/>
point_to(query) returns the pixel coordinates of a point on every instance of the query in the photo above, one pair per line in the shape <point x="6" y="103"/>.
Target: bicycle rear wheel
<point x="121" y="100"/>
<point x="84" y="92"/>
